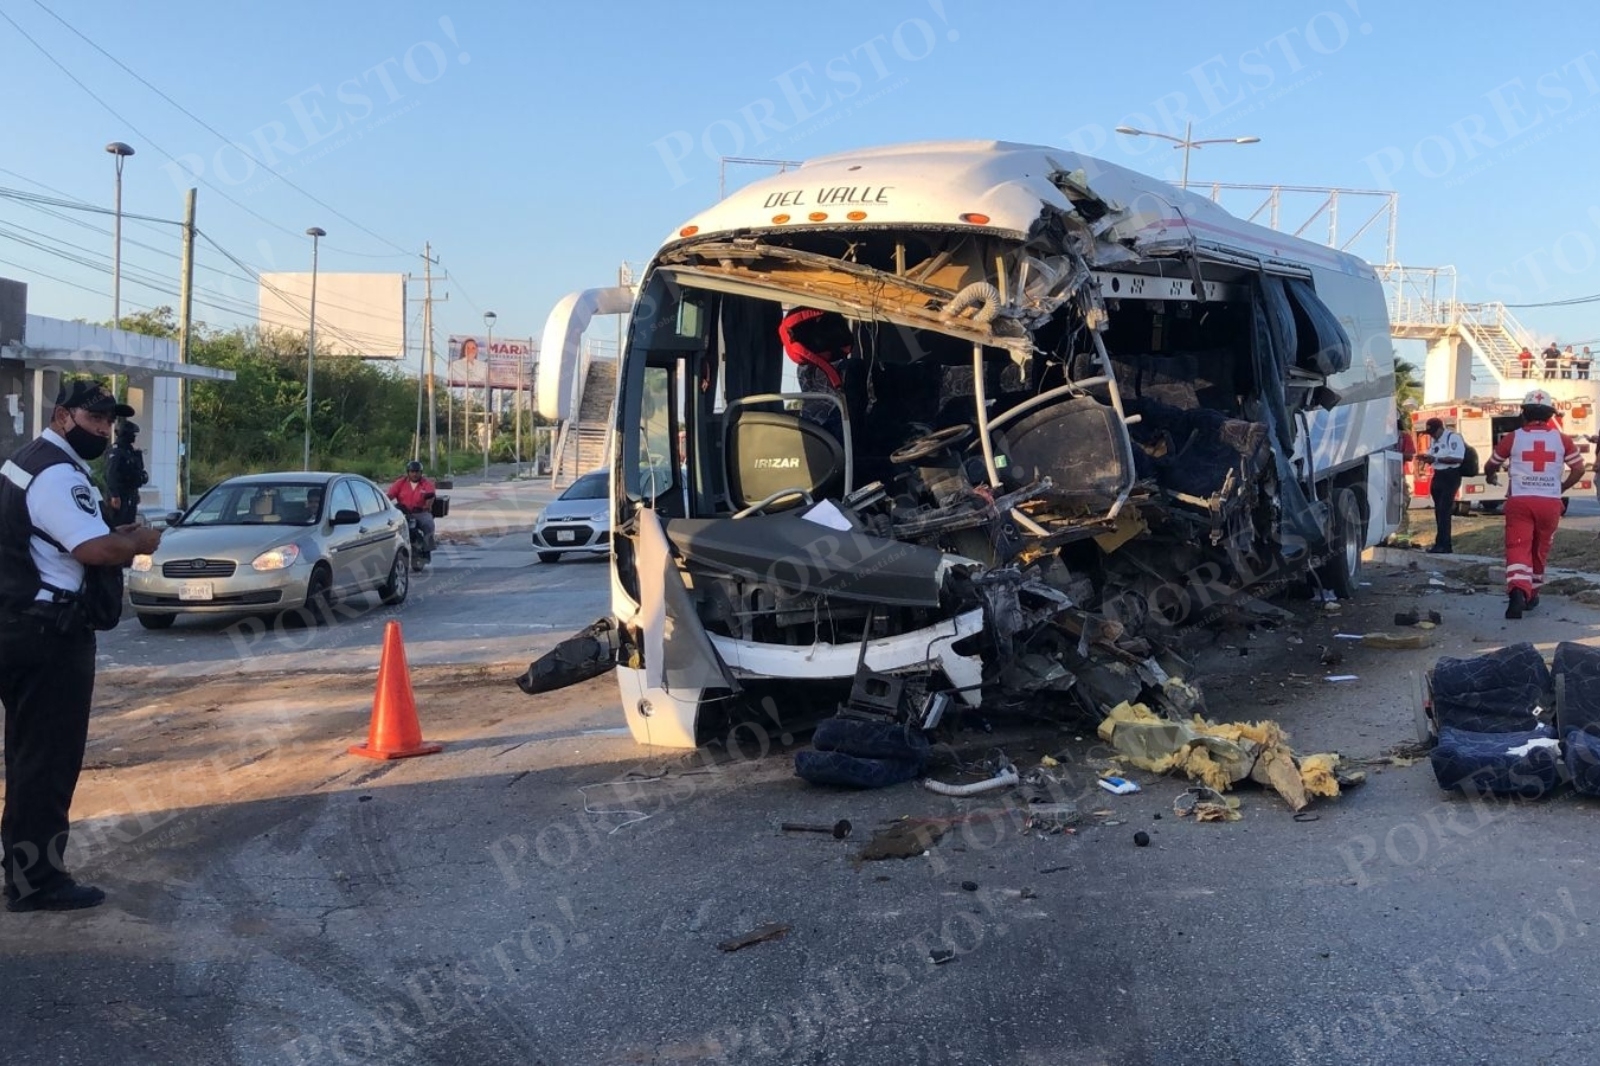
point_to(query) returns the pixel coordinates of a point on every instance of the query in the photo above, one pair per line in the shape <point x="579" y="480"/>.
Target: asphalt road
<point x="485" y="599"/>
<point x="546" y="892"/>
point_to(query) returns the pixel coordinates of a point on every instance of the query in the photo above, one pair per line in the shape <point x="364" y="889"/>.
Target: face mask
<point x="89" y="446"/>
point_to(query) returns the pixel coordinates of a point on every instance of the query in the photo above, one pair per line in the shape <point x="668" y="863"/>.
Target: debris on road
<point x="1005" y="777"/>
<point x="1397" y="641"/>
<point x="1141" y="839"/>
<point x="838" y="830"/>
<point x="903" y="840"/>
<point x="1206" y="805"/>
<point x="588" y="653"/>
<point x="1219" y="755"/>
<point x="770" y="931"/>
<point x="1051" y="818"/>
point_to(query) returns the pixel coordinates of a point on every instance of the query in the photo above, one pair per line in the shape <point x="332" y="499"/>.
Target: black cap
<point x="87" y="394"/>
<point x="413" y="467"/>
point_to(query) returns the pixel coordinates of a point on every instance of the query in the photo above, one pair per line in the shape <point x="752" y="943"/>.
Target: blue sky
<point x="539" y="146"/>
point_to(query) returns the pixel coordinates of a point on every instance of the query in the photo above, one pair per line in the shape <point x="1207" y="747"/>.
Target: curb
<point x="1496" y="564"/>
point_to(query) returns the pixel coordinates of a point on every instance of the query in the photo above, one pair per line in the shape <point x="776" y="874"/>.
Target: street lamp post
<point x="120" y="152"/>
<point x="488" y="360"/>
<point x="315" y="233"/>
<point x="1187" y="143"/>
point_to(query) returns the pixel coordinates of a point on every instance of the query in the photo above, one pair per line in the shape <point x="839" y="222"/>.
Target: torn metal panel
<point x="802" y="556"/>
<point x="677" y="652"/>
<point x="930" y="648"/>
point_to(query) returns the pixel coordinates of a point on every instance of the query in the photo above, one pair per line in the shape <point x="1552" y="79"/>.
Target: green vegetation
<point x="1407" y="386"/>
<point x="364" y="414"/>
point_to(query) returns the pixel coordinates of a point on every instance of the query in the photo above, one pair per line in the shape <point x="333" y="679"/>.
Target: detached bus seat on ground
<point x="1491" y="738"/>
<point x="1577" y="671"/>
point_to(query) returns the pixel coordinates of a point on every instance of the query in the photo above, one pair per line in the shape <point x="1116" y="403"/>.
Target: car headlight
<point x="141" y="564"/>
<point x="276" y="559"/>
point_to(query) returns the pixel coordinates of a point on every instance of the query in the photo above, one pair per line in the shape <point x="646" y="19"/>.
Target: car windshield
<point x="257" y="504"/>
<point x="588" y="487"/>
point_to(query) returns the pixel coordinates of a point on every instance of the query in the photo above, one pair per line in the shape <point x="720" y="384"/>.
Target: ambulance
<point x="1482" y="421"/>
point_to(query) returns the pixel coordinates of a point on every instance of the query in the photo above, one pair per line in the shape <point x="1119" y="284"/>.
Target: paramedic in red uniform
<point x="1536" y="455"/>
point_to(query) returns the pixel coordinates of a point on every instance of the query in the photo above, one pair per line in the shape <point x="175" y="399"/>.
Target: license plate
<point x="195" y="590"/>
<point x="566" y="534"/>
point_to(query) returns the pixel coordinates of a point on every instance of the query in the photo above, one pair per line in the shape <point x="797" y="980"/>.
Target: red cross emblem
<point x="1539" y="457"/>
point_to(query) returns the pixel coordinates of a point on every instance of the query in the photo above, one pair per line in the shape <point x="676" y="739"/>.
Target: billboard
<point x="509" y="362"/>
<point x="362" y="315"/>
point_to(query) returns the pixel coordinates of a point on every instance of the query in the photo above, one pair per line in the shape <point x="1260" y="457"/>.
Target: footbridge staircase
<point x="1423" y="306"/>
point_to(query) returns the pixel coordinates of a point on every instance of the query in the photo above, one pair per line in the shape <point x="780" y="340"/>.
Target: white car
<point x="578" y="521"/>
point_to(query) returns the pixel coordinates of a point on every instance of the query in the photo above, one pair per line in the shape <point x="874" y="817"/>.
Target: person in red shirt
<point x="1536" y="455"/>
<point x="414" y="494"/>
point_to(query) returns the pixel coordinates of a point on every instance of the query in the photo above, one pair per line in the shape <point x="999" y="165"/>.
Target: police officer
<point x="125" y="474"/>
<point x="60" y="580"/>
<point x="1445" y="455"/>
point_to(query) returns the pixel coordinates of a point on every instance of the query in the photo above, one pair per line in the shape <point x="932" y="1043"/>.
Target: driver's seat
<point x="766" y="452"/>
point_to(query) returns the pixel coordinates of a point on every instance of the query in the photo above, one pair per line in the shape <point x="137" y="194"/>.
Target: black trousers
<point x="47" y="685"/>
<point x="121" y="516"/>
<point x="1444" y="489"/>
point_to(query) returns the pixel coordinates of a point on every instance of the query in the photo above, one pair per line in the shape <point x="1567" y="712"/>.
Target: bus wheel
<point x="1342" y="573"/>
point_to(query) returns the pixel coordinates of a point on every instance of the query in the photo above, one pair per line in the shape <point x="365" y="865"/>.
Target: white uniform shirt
<point x="1449" y="446"/>
<point x="1538" y="457"/>
<point x="64" y="503"/>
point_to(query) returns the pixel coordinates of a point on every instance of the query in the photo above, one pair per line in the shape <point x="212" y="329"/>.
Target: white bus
<point x="1059" y="407"/>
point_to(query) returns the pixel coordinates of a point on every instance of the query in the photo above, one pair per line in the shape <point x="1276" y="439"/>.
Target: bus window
<point x="655" y="462"/>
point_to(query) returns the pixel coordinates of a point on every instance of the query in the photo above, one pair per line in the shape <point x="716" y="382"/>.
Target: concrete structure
<point x="1423" y="306"/>
<point x="574" y="387"/>
<point x="35" y="352"/>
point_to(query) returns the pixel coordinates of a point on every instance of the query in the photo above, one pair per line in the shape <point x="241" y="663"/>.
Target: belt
<point x="38" y="613"/>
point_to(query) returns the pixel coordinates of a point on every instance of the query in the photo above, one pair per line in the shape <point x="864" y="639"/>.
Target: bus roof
<point x="997" y="186"/>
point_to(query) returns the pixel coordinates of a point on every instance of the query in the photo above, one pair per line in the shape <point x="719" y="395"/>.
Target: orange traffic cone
<point x="395" y="732"/>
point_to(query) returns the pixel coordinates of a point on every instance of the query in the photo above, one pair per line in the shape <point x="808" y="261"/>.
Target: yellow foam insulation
<point x="1317" y="771"/>
<point x="1218" y="755"/>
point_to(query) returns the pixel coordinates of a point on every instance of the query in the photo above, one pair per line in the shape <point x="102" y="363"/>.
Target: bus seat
<point x="769" y="451"/>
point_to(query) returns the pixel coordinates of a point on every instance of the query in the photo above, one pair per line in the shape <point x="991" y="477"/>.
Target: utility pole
<point x="185" y="307"/>
<point x="430" y="364"/>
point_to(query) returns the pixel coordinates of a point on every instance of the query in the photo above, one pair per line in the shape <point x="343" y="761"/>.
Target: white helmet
<point x="1539" y="398"/>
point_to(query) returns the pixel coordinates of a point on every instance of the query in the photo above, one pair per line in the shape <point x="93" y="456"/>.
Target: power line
<point x="285" y="297"/>
<point x="33" y="197"/>
<point x="399" y="251"/>
<point x="246" y="307"/>
<point x="1574" y="302"/>
<point x="145" y="136"/>
<point x="52" y="277"/>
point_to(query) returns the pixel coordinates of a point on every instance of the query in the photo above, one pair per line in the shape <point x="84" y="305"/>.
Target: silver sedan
<point x="269" y="543"/>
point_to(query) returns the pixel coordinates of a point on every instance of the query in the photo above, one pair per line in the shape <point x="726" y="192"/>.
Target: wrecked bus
<point x="1051" y="412"/>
